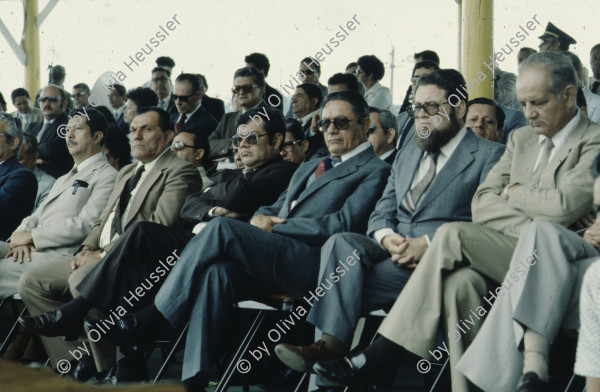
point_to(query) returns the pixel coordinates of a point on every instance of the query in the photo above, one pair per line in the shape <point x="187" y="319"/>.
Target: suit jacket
<point x="123" y="126"/>
<point x="338" y="201"/>
<point x="220" y="139"/>
<point x="563" y="194"/>
<point x="201" y="123"/>
<point x="214" y="106"/>
<point x="52" y="147"/>
<point x="18" y="188"/>
<point x="159" y="198"/>
<point x="35" y="116"/>
<point x="316" y="144"/>
<point x="514" y="119"/>
<point x="64" y="219"/>
<point x="448" y="198"/>
<point x="239" y="193"/>
<point x="406" y="126"/>
<point x="45" y="183"/>
<point x="271" y="91"/>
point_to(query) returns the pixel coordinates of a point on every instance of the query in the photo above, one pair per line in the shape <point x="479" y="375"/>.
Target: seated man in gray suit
<point x="249" y="88"/>
<point x="277" y="252"/>
<point x="544" y="173"/>
<point x="67" y="215"/>
<point x="449" y="161"/>
<point x="539" y="296"/>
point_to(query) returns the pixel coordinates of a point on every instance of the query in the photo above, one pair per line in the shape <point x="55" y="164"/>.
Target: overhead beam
<point x="478" y="46"/>
<point x="45" y="12"/>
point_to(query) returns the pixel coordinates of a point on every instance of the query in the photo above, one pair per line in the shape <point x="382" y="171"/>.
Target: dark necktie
<point x="326" y="164"/>
<point x="411" y="199"/>
<point x="130" y="185"/>
<point x="404" y="132"/>
<point x="74" y="171"/>
<point x="44" y="129"/>
<point x="595" y="86"/>
<point x="180" y="123"/>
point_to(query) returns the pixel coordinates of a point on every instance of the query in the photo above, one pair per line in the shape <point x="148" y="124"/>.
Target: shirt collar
<point x="357" y="150"/>
<point x="150" y="165"/>
<point x="373" y="87"/>
<point x="189" y="115"/>
<point x="119" y="111"/>
<point x="561" y="136"/>
<point x="88" y="162"/>
<point x="257" y="105"/>
<point x="449" y="147"/>
<point x="387" y="154"/>
<point x="308" y="117"/>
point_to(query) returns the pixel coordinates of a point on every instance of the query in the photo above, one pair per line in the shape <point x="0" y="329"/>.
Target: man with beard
<point x="544" y="174"/>
<point x="441" y="158"/>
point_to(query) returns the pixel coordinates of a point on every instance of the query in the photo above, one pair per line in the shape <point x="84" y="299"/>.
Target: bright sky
<point x="92" y="37"/>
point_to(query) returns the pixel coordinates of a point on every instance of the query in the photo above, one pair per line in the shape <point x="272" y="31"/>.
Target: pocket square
<point x="79" y="183"/>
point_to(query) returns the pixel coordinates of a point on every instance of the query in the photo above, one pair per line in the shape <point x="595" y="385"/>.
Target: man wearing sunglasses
<point x="187" y="94"/>
<point x="81" y="93"/>
<point x="53" y="155"/>
<point x="249" y="88"/>
<point x="295" y="144"/>
<point x="161" y="84"/>
<point x="414" y="204"/>
<point x="382" y="134"/>
<point x="310" y="69"/>
<point x="194" y="149"/>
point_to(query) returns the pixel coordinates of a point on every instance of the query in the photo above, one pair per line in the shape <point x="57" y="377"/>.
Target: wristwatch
<point x="505" y="191"/>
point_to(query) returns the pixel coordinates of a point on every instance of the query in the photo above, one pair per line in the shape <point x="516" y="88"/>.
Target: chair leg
<point x="438" y="379"/>
<point x="12" y="330"/>
<point x="226" y="378"/>
<point x="299" y="385"/>
<point x="169" y="357"/>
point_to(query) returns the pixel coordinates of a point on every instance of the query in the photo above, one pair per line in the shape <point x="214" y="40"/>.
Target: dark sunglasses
<point x="77" y="95"/>
<point x="308" y="71"/>
<point x="431" y="108"/>
<point x="51" y="99"/>
<point x="246" y="88"/>
<point x="182" y="98"/>
<point x="180" y="146"/>
<point x="289" y="145"/>
<point x="161" y="79"/>
<point x="251" y="139"/>
<point x="340" y="123"/>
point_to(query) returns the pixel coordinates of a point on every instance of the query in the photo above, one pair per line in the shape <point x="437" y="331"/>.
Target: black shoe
<point x="125" y="332"/>
<point x="51" y="324"/>
<point x="85" y="369"/>
<point x="337" y="373"/>
<point x="107" y="378"/>
<point x="530" y="382"/>
<point x="131" y="369"/>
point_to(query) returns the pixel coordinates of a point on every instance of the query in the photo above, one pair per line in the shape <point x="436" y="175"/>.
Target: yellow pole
<point x="478" y="46"/>
<point x="31" y="46"/>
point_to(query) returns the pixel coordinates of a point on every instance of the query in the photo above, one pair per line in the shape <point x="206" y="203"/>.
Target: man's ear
<point x="98" y="136"/>
<point x="314" y="103"/>
<point x="277" y="140"/>
<point x="570" y="94"/>
<point x="199" y="154"/>
<point x="461" y="110"/>
<point x="304" y="145"/>
<point x="14" y="144"/>
<point x="169" y="135"/>
<point x="391" y="135"/>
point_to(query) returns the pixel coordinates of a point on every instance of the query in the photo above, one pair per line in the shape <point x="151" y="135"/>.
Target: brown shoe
<point x="302" y="358"/>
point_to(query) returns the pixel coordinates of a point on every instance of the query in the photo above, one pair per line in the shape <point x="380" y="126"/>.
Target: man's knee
<point x="78" y="275"/>
<point x="28" y="283"/>
<point x="463" y="284"/>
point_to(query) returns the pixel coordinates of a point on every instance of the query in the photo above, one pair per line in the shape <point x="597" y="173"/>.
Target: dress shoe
<point x="340" y="372"/>
<point x="108" y="378"/>
<point x="302" y="358"/>
<point x="125" y="332"/>
<point x="84" y="370"/>
<point x="530" y="382"/>
<point x="51" y="324"/>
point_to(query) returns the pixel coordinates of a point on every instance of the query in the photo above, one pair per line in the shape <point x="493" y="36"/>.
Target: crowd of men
<point x="163" y="211"/>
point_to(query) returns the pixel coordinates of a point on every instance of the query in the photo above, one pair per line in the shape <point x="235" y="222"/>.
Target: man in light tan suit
<point x="543" y="174"/>
<point x="66" y="217"/>
<point x="153" y="189"/>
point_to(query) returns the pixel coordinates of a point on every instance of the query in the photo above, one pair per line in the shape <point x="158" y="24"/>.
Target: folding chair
<point x="15" y="300"/>
<point x="271" y="303"/>
<point x="169" y="358"/>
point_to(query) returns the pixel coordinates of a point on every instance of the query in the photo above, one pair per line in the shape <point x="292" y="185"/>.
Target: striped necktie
<point x="411" y="199"/>
<point x="116" y="227"/>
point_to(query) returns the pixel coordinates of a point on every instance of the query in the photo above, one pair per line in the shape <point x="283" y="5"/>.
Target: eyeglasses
<point x="180" y="146"/>
<point x="289" y="145"/>
<point x="359" y="71"/>
<point x="371" y="129"/>
<point x="340" y="123"/>
<point x="51" y="99"/>
<point x="182" y="98"/>
<point x="246" y="88"/>
<point x="251" y="139"/>
<point x="308" y="71"/>
<point x="77" y="95"/>
<point x="431" y="108"/>
<point x="161" y="79"/>
<point x="414" y="79"/>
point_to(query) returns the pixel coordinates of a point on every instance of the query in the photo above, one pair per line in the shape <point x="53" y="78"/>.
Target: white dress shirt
<point x="559" y="139"/>
<point x="189" y="115"/>
<point x="379" y="97"/>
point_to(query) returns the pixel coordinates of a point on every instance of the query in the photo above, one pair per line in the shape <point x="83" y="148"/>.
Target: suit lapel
<point x="65" y="182"/>
<point x="408" y="164"/>
<point x="153" y="175"/>
<point x="456" y="163"/>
